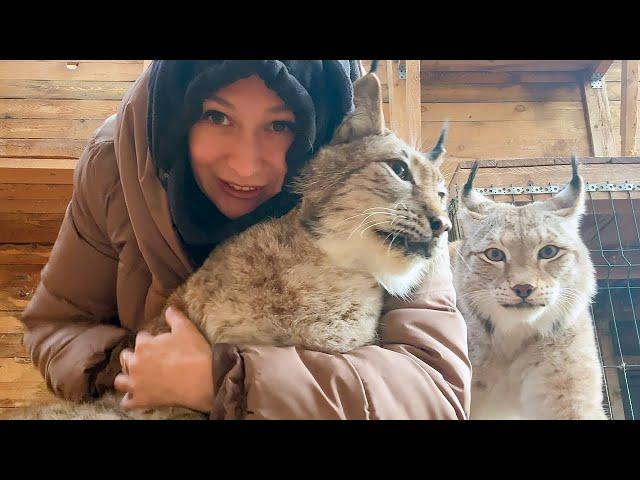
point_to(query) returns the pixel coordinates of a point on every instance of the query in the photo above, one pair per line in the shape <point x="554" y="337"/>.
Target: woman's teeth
<point x="241" y="188"/>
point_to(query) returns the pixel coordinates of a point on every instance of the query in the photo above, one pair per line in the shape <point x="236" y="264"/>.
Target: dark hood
<point x="319" y="93"/>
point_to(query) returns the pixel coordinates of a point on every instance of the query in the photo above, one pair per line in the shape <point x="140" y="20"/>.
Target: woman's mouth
<point x="241" y="191"/>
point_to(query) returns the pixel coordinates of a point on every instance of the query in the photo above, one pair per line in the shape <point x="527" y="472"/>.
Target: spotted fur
<point x="532" y="357"/>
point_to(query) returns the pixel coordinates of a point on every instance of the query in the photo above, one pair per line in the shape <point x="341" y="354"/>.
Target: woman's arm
<point x="69" y="331"/>
<point x="421" y="370"/>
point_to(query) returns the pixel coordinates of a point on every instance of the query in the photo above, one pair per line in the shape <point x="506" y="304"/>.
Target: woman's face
<point x="238" y="147"/>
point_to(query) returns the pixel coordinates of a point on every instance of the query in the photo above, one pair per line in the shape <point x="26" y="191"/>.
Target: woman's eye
<point x="494" y="254"/>
<point x="401" y="169"/>
<point x="548" y="251"/>
<point x="282" y="126"/>
<point x="216" y="117"/>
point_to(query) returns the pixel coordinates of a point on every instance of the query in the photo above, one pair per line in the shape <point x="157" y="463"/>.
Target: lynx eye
<point x="548" y="251"/>
<point x="494" y="254"/>
<point x="401" y="169"/>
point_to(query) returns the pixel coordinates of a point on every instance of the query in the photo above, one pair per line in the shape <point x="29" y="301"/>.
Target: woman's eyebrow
<point x="221" y="101"/>
<point x="278" y="109"/>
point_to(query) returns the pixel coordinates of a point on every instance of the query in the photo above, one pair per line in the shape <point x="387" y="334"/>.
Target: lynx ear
<point x="570" y="201"/>
<point x="474" y="203"/>
<point x="436" y="154"/>
<point x="367" y="118"/>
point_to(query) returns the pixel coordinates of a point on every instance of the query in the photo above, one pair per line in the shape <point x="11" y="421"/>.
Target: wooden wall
<point x="507" y="115"/>
<point x="47" y="113"/>
<point x="613" y="80"/>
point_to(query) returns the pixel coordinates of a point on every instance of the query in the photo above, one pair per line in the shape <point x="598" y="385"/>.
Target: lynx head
<point x="371" y="202"/>
<point x="524" y="264"/>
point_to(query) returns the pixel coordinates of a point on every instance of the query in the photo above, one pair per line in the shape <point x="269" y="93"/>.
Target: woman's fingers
<point x="143" y="337"/>
<point x="122" y="383"/>
<point x="126" y="356"/>
<point x="176" y="320"/>
<point x="128" y="402"/>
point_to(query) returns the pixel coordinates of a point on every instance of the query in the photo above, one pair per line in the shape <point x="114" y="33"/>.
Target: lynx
<point x="524" y="282"/>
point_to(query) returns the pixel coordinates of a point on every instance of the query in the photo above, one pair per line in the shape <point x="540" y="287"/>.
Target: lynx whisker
<point x="371" y="226"/>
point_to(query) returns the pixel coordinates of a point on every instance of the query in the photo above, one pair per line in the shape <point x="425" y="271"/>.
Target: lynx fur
<point x="531" y="339"/>
<point x="369" y="222"/>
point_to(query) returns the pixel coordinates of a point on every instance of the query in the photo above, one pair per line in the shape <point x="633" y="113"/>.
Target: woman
<point x="198" y="151"/>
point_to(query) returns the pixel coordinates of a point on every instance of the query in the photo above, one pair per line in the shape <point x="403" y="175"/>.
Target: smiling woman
<point x="238" y="148"/>
<point x="199" y="152"/>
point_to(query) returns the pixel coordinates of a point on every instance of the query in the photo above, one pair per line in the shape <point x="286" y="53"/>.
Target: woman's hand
<point x="169" y="369"/>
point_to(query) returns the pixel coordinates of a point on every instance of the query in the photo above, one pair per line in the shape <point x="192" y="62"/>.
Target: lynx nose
<point x="523" y="290"/>
<point x="439" y="225"/>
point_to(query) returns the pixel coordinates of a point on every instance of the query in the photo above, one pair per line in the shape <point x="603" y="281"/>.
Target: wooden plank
<point x="598" y="119"/>
<point x="29" y="227"/>
<point x="544" y="174"/>
<point x="500" y="111"/>
<point x="11" y="345"/>
<point x="27" y="254"/>
<point x="10" y="322"/>
<point x="413" y="104"/>
<point x="614" y="74"/>
<point x="58" y="109"/>
<point x="18" y="370"/>
<point x="511" y="78"/>
<point x="24" y="394"/>
<point x="614" y="91"/>
<point x="599" y="66"/>
<point x="57" y="70"/>
<point x="508" y="65"/>
<point x="63" y="148"/>
<point x="531" y="162"/>
<point x="21" y="191"/>
<point x="48" y="128"/>
<point x="615" y="118"/>
<point x="17" y="285"/>
<point x="58" y="205"/>
<point x="37" y="171"/>
<point x="481" y="93"/>
<point x="63" y="89"/>
<point x="397" y="99"/>
<point x="479" y="140"/>
<point x="629" y="107"/>
<point x="475" y="76"/>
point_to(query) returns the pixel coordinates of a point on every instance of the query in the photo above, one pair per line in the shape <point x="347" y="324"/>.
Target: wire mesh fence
<point x="611" y="230"/>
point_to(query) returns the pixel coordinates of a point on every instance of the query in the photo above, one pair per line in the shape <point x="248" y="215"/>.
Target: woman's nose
<point x="246" y="160"/>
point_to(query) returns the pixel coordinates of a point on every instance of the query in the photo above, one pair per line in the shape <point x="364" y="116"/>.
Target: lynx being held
<point x="371" y="219"/>
<point x="525" y="281"/>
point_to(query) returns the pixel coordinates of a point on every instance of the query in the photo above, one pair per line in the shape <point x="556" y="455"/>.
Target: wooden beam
<point x="598" y="119"/>
<point x="397" y="99"/>
<point x="414" y="104"/>
<point x="629" y="107"/>
<point x="600" y="66"/>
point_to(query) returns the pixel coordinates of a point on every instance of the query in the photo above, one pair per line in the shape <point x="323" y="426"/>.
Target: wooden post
<point x="397" y="99"/>
<point x="598" y="118"/>
<point x="414" y="104"/>
<point x="405" y="101"/>
<point x="629" y="108"/>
